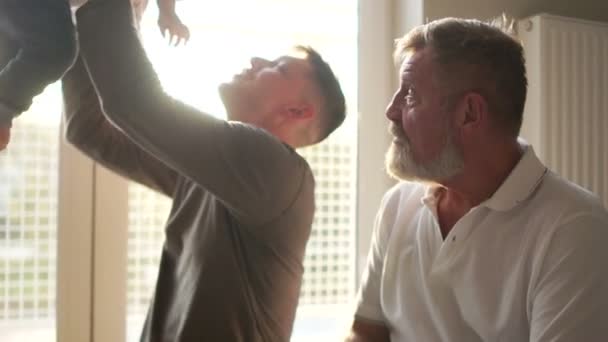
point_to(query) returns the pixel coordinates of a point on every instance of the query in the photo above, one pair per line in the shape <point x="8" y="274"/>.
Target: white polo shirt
<point x="528" y="264"/>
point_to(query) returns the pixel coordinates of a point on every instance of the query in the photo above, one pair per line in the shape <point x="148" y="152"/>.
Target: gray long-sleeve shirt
<point x="243" y="202"/>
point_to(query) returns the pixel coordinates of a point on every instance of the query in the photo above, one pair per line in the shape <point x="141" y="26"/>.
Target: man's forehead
<point x="292" y="59"/>
<point x="293" y="63"/>
<point x="414" y="62"/>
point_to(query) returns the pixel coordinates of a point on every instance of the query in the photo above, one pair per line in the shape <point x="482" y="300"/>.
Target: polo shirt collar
<point x="519" y="185"/>
<point x="431" y="194"/>
<point x="521" y="182"/>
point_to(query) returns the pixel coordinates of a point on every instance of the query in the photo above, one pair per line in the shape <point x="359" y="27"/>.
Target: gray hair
<point x="476" y="56"/>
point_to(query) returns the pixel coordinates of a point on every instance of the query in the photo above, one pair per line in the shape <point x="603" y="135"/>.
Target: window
<point x="64" y="269"/>
<point x="148" y="212"/>
<point x="28" y="223"/>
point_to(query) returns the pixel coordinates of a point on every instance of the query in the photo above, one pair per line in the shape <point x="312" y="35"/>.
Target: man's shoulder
<point x="258" y="146"/>
<point x="561" y="196"/>
<point x="564" y="214"/>
<point x="402" y="200"/>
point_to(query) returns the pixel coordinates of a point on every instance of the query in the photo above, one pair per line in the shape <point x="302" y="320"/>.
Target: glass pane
<point x="148" y="212"/>
<point x="329" y="277"/>
<point x="222" y="41"/>
<point x="28" y="223"/>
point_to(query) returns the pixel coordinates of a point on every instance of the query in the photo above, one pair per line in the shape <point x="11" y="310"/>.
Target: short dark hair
<point x="483" y="57"/>
<point x="333" y="106"/>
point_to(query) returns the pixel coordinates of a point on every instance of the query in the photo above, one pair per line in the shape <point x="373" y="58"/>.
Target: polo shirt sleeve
<point x="368" y="298"/>
<point x="570" y="298"/>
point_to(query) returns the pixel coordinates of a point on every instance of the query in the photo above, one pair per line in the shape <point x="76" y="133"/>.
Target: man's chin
<point x="401" y="168"/>
<point x="397" y="172"/>
<point x="225" y="90"/>
<point x="394" y="164"/>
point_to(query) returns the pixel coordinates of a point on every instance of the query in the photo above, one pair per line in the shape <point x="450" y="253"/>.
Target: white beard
<point x="400" y="164"/>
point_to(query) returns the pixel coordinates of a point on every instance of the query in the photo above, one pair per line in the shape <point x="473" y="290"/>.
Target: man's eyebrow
<point x="407" y="77"/>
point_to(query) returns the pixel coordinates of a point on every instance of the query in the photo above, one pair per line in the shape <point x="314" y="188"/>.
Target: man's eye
<point x="410" y="97"/>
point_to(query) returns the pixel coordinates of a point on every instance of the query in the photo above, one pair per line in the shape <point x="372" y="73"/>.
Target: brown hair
<point x="476" y="56"/>
<point x="333" y="107"/>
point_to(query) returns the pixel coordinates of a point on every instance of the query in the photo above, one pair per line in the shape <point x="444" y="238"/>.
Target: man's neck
<point x="483" y="174"/>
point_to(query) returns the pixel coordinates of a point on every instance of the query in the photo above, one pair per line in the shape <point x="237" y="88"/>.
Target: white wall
<point x="376" y="87"/>
<point x="483" y="9"/>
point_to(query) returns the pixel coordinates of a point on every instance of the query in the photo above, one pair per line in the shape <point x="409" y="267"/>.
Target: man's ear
<point x="473" y="111"/>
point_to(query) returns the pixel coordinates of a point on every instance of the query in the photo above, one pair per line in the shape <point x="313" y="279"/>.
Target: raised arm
<point x="88" y="130"/>
<point x="166" y="7"/>
<point x="252" y="172"/>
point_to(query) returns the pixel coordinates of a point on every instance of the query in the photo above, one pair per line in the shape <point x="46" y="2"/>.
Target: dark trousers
<point x="37" y="46"/>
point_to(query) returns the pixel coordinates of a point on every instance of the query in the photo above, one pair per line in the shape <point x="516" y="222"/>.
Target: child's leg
<point x="44" y="31"/>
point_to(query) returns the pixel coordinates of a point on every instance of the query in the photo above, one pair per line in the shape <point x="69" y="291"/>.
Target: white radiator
<point x="566" y="114"/>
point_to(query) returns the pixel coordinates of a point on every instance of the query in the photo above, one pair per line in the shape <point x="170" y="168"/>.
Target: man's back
<point x="222" y="280"/>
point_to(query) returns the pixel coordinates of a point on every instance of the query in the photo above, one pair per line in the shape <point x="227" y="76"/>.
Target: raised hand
<point x="171" y="25"/>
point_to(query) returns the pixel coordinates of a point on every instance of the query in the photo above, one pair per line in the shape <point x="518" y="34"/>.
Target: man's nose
<point x="258" y="62"/>
<point x="392" y="110"/>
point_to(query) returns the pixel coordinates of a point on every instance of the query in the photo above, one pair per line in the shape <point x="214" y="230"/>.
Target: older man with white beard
<point x="487" y="244"/>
